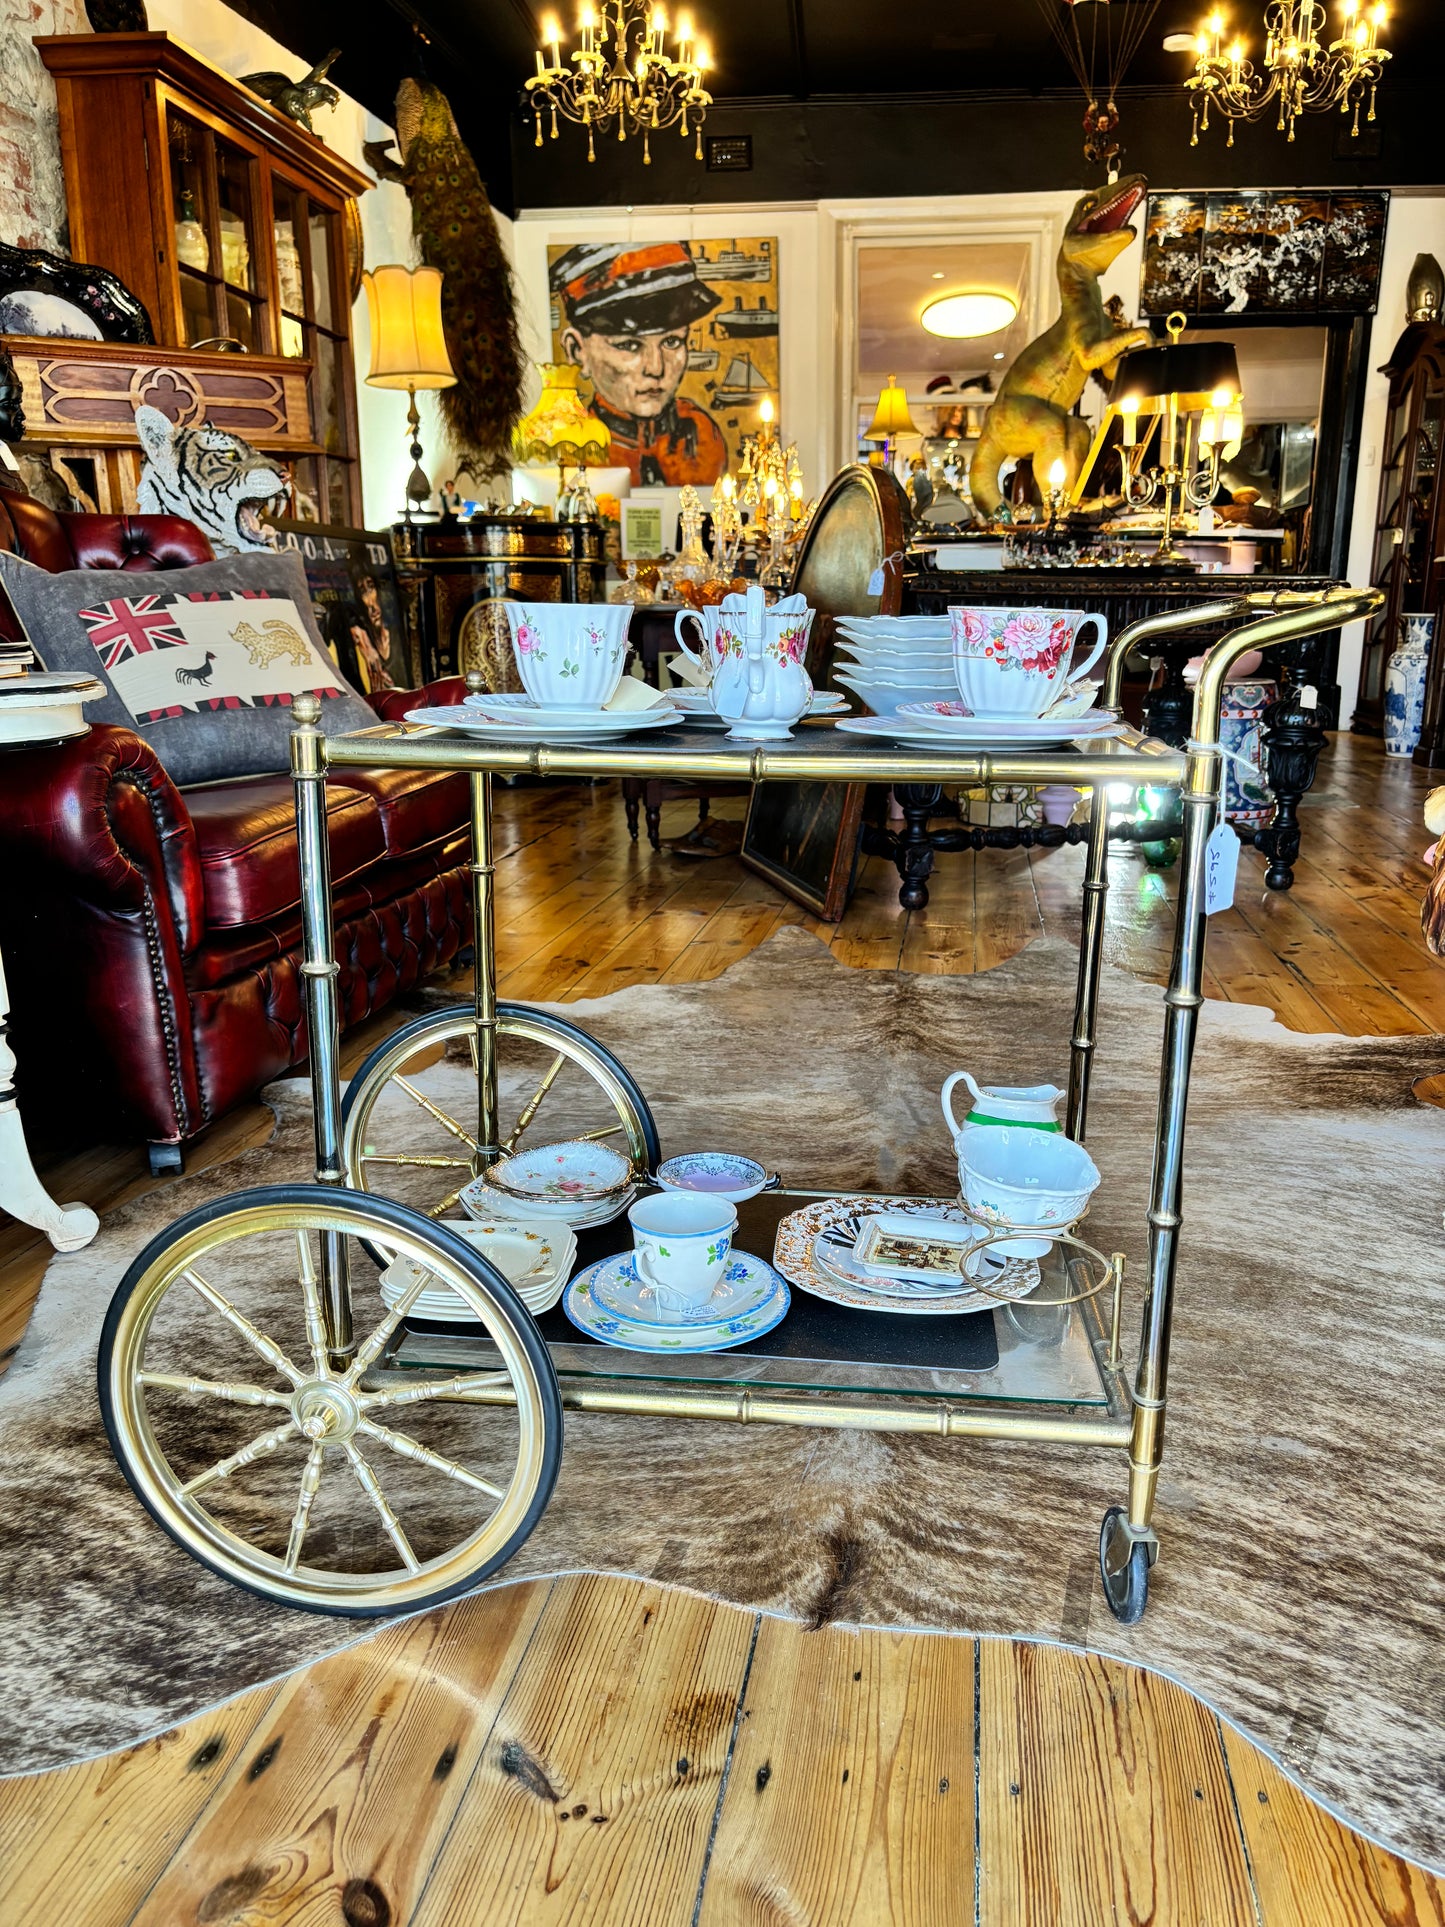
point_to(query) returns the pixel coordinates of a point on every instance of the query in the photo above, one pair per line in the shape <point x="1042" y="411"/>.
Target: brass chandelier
<point x="1300" y="74"/>
<point x="621" y="76"/>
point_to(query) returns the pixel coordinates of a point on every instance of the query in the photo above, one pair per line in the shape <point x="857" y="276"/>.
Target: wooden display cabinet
<point x="235" y="226"/>
<point x="1408" y="561"/>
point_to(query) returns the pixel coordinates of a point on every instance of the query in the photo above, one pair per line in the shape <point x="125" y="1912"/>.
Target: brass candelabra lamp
<point x="1190" y="398"/>
<point x="771" y="490"/>
<point x="621" y="77"/>
<point x="1300" y="73"/>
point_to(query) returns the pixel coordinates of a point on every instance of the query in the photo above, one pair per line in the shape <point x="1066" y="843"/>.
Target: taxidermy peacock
<point x="451" y="218"/>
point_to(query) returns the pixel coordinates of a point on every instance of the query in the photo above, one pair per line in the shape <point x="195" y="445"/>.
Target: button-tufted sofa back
<point x="55" y="540"/>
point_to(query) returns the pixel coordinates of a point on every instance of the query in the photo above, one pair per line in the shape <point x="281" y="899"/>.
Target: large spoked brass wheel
<point x="342" y="1485"/>
<point x="409" y="1117"/>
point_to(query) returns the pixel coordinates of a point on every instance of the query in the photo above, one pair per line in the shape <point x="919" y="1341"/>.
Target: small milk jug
<point x="1028" y="1105"/>
<point x="760" y="685"/>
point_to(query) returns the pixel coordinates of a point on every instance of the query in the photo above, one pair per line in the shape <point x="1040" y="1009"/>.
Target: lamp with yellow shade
<point x="890" y="418"/>
<point x="408" y="349"/>
<point x="562" y="429"/>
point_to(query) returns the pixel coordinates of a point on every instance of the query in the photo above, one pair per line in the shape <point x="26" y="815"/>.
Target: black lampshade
<point x="1192" y="370"/>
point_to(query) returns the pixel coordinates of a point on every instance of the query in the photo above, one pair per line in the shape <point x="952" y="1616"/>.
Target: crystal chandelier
<point x="1300" y="73"/>
<point x="622" y="75"/>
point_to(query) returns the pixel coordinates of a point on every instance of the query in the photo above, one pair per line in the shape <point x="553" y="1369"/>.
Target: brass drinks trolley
<point x="249" y="1405"/>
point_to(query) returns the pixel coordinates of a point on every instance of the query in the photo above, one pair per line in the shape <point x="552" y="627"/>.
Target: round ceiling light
<point x="963" y="317"/>
<point x="1179" y="43"/>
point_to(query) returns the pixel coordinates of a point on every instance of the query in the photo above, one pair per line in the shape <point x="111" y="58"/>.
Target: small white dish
<point x="715" y="1174"/>
<point x="953" y="718"/>
<point x="893" y="728"/>
<point x="915" y="1250"/>
<point x="536" y="728"/>
<point x="582" y="1308"/>
<point x="479" y="1200"/>
<point x="576" y="1171"/>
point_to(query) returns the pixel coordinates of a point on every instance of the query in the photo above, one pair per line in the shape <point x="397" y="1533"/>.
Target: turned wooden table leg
<point x="68" y="1226"/>
<point x="1293" y="739"/>
<point x="913" y="850"/>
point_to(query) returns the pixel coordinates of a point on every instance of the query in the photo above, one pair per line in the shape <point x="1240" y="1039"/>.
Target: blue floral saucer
<point x="762" y="1298"/>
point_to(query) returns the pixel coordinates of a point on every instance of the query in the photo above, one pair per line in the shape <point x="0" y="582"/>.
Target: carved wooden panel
<point x="88" y="392"/>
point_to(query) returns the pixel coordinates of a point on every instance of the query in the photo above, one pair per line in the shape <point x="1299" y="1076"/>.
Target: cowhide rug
<point x="1302" y="1579"/>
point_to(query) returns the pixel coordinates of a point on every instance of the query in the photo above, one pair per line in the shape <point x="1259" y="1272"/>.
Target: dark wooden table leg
<point x="913" y="850"/>
<point x="1293" y="739"/>
<point x="632" y="787"/>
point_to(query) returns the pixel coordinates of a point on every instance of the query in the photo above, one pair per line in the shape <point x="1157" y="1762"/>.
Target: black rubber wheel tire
<point x="548" y="1022"/>
<point x="1126" y="1579"/>
<point x="401" y="1218"/>
<point x="420" y="1025"/>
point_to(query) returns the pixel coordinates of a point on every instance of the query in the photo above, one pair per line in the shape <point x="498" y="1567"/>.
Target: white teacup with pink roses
<point x="1016" y="662"/>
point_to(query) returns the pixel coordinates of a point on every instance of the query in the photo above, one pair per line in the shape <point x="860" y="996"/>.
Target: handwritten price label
<point x="1221" y="867"/>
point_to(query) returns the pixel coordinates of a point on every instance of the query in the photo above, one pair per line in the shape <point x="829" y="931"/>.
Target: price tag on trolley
<point x="1221" y="867"/>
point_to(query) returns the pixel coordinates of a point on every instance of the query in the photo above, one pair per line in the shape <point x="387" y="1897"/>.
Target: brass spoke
<point x="534" y="1102"/>
<point x="608" y="1130"/>
<point x="430" y="1164"/>
<point x="248" y="1454"/>
<point x="311" y="1297"/>
<point x="268" y="1348"/>
<point x="436" y="1111"/>
<point x="310" y="1485"/>
<point x="410" y="1448"/>
<point x="447" y="1202"/>
<point x="371" y="1350"/>
<point x="367" y="1480"/>
<point x="454" y="1388"/>
<point x="233" y="1394"/>
<point x="475" y="1050"/>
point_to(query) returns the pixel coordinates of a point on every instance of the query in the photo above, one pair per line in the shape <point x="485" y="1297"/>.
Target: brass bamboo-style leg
<point x="484" y="944"/>
<point x="1182" y="1003"/>
<point x="320" y="971"/>
<point x="1091" y="953"/>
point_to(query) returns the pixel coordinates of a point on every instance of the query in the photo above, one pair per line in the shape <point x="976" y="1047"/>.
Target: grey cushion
<point x="203" y="662"/>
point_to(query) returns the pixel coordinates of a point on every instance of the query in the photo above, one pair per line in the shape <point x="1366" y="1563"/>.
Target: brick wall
<point x="32" y="184"/>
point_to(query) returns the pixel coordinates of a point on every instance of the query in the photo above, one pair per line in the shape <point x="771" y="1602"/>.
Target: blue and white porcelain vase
<point x="1405" y="685"/>
<point x="1247" y="797"/>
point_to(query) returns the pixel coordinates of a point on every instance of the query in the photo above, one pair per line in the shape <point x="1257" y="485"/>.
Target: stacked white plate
<point x="698" y="712"/>
<point x="517" y="719"/>
<point x="890" y="660"/>
<point x="578" y="1182"/>
<point x="534" y="1256"/>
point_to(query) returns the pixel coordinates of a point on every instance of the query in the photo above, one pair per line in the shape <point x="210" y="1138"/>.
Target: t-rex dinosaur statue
<point x="1031" y="413"/>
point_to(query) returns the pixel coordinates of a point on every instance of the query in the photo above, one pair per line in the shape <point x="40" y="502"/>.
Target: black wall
<point x="860" y="148"/>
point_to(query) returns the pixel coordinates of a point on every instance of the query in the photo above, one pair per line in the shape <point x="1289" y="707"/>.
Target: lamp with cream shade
<point x="408" y="348"/>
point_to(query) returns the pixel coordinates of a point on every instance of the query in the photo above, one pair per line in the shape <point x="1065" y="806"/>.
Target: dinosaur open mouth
<point x="1111" y="215"/>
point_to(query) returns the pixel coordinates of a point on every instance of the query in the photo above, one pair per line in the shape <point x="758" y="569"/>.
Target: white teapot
<point x="1030" y="1105"/>
<point x="760" y="685"/>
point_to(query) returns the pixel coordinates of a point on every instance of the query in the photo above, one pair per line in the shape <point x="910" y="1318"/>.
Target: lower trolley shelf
<point x="1016" y="1354"/>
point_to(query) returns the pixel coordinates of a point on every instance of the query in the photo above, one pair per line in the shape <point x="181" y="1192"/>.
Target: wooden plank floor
<point x="594" y="1749"/>
<point x="584" y="911"/>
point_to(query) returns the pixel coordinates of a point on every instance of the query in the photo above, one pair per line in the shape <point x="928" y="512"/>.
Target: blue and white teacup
<point x="680" y="1245"/>
<point x="1017" y="662"/>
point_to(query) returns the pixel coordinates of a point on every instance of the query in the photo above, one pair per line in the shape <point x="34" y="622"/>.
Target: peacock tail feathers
<point x="456" y="232"/>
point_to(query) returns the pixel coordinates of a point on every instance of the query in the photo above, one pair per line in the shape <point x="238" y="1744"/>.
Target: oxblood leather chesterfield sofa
<point x="153" y="935"/>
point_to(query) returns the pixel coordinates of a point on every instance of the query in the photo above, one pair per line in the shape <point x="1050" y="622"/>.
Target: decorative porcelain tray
<point x="793" y="1256"/>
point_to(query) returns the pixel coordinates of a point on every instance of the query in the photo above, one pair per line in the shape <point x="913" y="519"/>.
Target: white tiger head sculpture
<point x="210" y="477"/>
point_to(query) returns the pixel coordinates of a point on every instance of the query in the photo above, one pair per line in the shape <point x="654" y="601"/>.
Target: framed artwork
<point x="48" y="295"/>
<point x="1275" y="253"/>
<point x="351" y="574"/>
<point x="679" y="340"/>
<point x="804" y="836"/>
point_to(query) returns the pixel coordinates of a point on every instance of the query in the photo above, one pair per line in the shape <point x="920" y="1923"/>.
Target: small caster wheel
<point x="164" y="1159"/>
<point x="1124" y="1568"/>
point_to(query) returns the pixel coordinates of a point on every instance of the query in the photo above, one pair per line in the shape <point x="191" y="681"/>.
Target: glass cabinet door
<point x="311" y="283"/>
<point x="213" y="197"/>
